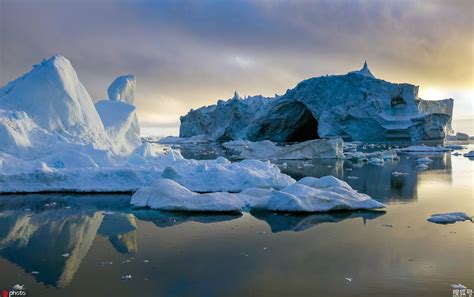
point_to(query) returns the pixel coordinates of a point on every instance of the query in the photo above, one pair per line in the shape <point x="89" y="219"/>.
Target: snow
<point x="312" y="194"/>
<point x="128" y="175"/>
<point x="166" y="194"/>
<point x="355" y="106"/>
<point x="449" y="218"/>
<point x="52" y="96"/>
<point x="311" y="149"/>
<point x="123" y="89"/>
<point x="307" y="195"/>
<point x="121" y="124"/>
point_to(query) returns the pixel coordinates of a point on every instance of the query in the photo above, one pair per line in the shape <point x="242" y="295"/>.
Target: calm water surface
<point x="81" y="245"/>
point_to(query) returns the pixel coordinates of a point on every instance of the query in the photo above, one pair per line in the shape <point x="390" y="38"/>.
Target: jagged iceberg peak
<point x="53" y="96"/>
<point x="365" y="71"/>
<point x="236" y="95"/>
<point x="123" y="89"/>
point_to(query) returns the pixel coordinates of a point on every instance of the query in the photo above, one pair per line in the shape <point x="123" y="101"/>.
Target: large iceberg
<point x="354" y="106"/>
<point x="53" y="138"/>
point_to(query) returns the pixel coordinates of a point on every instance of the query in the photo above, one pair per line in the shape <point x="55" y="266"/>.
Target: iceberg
<point x="356" y="106"/>
<point x="311" y="149"/>
<point x="449" y="218"/>
<point x="55" y="139"/>
<point x="307" y="195"/>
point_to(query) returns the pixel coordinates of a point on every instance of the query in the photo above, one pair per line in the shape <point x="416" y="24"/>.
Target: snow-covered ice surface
<point x="166" y="194"/>
<point x="307" y="195"/>
<point x="449" y="218"/>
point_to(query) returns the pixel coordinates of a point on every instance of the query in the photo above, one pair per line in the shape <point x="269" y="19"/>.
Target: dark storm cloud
<point x="189" y="53"/>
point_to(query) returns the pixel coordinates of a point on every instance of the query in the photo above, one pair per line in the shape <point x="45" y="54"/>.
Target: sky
<point x="186" y="54"/>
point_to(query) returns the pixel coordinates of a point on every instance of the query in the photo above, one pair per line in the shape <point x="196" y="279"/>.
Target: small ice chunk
<point x="348" y="279"/>
<point x="422" y="167"/>
<point x="424" y="160"/>
<point x="469" y="155"/>
<point x="397" y="173"/>
<point x="449" y="218"/>
<point x="458" y="286"/>
<point x="376" y="161"/>
<point x="423" y="148"/>
<point x="126" y="277"/>
<point x="65" y="255"/>
<point x="352" y="177"/>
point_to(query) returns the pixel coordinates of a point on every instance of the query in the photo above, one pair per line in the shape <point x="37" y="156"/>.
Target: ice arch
<point x="287" y="122"/>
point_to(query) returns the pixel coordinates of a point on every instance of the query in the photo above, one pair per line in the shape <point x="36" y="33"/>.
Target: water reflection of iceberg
<point x="377" y="181"/>
<point x="279" y="222"/>
<point x="58" y="225"/>
<point x="37" y="242"/>
<point x="121" y="228"/>
<point x="165" y="219"/>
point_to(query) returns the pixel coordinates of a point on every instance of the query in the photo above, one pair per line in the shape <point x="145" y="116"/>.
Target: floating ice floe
<point x="449" y="218"/>
<point x="454" y="146"/>
<point x="423" y="149"/>
<point x="307" y="195"/>
<point x="376" y="161"/>
<point x="311" y="149"/>
<point x="469" y="155"/>
<point x="396" y="173"/>
<point x="377" y="157"/>
<point x="423" y="160"/>
<point x="422" y="167"/>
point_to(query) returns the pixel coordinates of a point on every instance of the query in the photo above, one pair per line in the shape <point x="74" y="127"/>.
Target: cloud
<point x="196" y="52"/>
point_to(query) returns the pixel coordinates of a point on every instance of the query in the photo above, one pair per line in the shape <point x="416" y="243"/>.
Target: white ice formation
<point x="53" y="138"/>
<point x="354" y="106"/>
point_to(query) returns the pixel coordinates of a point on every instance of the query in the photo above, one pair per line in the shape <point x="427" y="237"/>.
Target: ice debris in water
<point x="424" y="160"/>
<point x="126" y="277"/>
<point x="449" y="218"/>
<point x="397" y="173"/>
<point x="469" y="155"/>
